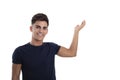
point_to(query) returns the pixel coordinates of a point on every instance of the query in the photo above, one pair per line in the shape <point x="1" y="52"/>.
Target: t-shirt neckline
<point x="35" y="46"/>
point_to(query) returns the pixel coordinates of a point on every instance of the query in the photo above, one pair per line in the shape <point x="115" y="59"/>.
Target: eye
<point x="38" y="27"/>
<point x="45" y="28"/>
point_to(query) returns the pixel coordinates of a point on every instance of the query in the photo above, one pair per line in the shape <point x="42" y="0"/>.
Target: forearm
<point x="74" y="44"/>
<point x="16" y="71"/>
<point x="15" y="78"/>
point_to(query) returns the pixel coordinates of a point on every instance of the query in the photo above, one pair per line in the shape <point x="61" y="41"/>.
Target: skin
<point x="39" y="30"/>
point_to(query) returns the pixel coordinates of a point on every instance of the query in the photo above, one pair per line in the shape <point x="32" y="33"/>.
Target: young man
<point x="36" y="58"/>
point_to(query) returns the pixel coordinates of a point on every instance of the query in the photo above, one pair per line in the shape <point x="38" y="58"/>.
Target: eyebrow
<point x="40" y="26"/>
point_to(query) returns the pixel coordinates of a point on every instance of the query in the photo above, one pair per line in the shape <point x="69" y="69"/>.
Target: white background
<point x="98" y="56"/>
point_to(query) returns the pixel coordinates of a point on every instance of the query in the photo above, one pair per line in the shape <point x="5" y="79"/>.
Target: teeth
<point x="40" y="34"/>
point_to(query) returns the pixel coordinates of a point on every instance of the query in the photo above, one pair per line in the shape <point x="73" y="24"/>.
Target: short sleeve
<point x="55" y="48"/>
<point x="16" y="57"/>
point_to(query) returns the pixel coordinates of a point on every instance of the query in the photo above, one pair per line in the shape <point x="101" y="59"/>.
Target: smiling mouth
<point x="40" y="34"/>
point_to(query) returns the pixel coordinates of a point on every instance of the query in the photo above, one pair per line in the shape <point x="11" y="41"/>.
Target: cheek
<point x="46" y="32"/>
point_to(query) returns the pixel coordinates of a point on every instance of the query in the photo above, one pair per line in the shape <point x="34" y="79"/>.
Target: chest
<point x="34" y="58"/>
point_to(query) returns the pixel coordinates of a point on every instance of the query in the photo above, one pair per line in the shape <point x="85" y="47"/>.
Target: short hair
<point x="40" y="17"/>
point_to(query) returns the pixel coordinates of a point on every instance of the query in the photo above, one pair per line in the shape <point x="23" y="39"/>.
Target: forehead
<point x="41" y="23"/>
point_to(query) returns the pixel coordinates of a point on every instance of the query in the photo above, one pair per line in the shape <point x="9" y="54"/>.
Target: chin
<point x="40" y="39"/>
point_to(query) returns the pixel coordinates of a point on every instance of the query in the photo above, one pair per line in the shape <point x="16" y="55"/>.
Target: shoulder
<point x="51" y="44"/>
<point x="19" y="48"/>
<point x="53" y="47"/>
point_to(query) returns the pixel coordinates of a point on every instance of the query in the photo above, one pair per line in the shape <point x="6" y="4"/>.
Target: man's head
<point x="39" y="26"/>
<point x="40" y="17"/>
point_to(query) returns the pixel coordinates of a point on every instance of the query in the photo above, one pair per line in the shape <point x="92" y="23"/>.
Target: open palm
<point x="79" y="27"/>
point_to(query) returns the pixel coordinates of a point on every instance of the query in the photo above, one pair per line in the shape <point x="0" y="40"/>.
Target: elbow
<point x="73" y="54"/>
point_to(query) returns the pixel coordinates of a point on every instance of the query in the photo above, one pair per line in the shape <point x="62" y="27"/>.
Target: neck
<point x="36" y="42"/>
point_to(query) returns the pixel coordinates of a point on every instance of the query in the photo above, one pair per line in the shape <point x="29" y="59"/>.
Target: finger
<point x="83" y="23"/>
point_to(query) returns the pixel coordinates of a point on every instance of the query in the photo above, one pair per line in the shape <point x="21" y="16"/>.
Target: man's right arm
<point x="16" y="68"/>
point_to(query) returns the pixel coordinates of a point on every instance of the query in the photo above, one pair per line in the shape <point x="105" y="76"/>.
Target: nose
<point x="41" y="30"/>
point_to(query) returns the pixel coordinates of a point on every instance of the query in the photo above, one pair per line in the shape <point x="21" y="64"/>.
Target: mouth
<point x="40" y="34"/>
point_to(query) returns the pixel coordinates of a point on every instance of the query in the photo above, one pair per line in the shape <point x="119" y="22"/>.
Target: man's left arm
<point x="72" y="50"/>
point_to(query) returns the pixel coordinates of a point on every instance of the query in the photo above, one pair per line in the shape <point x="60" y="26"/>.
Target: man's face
<point x="39" y="29"/>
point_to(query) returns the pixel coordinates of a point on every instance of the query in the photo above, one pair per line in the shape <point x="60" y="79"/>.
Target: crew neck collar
<point x="35" y="45"/>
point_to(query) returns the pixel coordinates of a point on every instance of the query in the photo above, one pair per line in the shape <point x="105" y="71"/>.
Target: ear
<point x="31" y="28"/>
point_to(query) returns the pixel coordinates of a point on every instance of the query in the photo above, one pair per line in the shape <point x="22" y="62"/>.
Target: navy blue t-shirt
<point x="37" y="61"/>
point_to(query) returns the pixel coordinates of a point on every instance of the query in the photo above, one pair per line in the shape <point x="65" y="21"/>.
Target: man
<point x="36" y="58"/>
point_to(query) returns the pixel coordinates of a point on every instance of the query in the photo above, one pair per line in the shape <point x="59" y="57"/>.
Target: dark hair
<point x="39" y="17"/>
